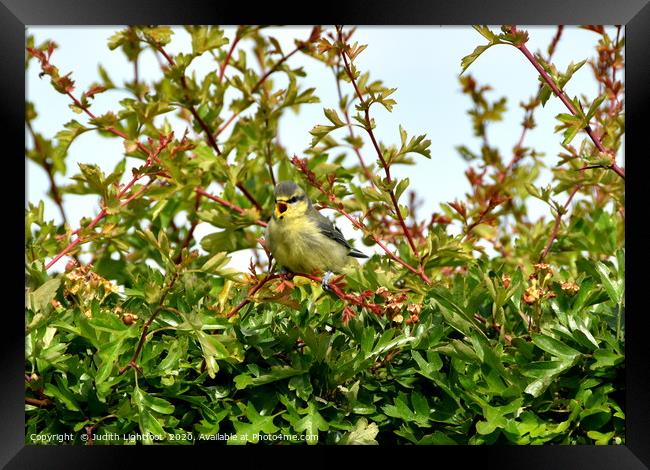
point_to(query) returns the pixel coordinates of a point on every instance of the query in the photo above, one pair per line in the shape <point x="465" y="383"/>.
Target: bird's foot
<point x="326" y="280"/>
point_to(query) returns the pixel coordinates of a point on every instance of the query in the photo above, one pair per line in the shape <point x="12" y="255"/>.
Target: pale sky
<point x="423" y="63"/>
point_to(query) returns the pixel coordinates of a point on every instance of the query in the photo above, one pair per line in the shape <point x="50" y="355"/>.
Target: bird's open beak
<point x="281" y="208"/>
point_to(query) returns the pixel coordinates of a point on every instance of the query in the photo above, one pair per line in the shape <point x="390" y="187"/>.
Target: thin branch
<point x="139" y="193"/>
<point x="491" y="205"/>
<point x="258" y="84"/>
<point x="385" y="360"/>
<point x="206" y="129"/>
<point x="190" y="107"/>
<point x="110" y="129"/>
<point x="204" y="126"/>
<point x="555" y="40"/>
<point x="46" y="68"/>
<point x="346" y="115"/>
<point x="556" y="225"/>
<point x="228" y="204"/>
<point x="252" y="292"/>
<point x="333" y="286"/>
<point x="190" y="232"/>
<point x="618" y="32"/>
<point x="152" y="157"/>
<point x="560" y="94"/>
<point x="136" y="79"/>
<point x="614" y="102"/>
<point x="384" y="164"/>
<point x="222" y="69"/>
<point x="45" y="402"/>
<point x="530" y="112"/>
<point x="249" y="196"/>
<point x="269" y="155"/>
<point x="276" y="66"/>
<point x="133" y="363"/>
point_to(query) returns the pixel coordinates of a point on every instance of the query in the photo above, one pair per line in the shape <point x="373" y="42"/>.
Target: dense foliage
<point x="509" y="332"/>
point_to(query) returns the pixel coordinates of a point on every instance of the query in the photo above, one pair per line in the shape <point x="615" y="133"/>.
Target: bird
<point x="302" y="240"/>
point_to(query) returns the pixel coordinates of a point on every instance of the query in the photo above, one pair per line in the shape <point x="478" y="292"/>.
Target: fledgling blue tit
<point x="303" y="240"/>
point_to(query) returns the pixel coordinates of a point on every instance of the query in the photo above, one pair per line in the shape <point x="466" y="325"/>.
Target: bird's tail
<point x="356" y="253"/>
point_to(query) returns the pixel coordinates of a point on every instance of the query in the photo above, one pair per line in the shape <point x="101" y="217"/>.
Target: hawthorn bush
<point x="509" y="332"/>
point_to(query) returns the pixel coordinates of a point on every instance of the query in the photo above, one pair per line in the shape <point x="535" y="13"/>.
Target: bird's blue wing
<point x="332" y="232"/>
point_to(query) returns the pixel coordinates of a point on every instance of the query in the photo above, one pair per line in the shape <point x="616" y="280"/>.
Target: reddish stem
<point x="375" y="144"/>
<point x="227" y="204"/>
<point x="344" y="109"/>
<point x="334" y="288"/>
<point x="139" y="193"/>
<point x="529" y="114"/>
<point x="560" y="94"/>
<point x="556" y="225"/>
<point x="249" y="196"/>
<point x="206" y="128"/>
<point x="110" y="129"/>
<point x="152" y="157"/>
<point x="222" y="69"/>
<point x="480" y="218"/>
<point x="190" y="107"/>
<point x="252" y="292"/>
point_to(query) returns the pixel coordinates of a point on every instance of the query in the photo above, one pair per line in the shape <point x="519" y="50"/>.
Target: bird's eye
<point x="293" y="199"/>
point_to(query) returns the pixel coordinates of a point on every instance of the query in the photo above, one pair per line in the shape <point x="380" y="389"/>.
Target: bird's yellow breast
<point x="298" y="245"/>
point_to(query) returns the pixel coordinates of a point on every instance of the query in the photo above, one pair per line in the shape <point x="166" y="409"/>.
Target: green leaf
<point x="42" y="296"/>
<point x="333" y="116"/>
<point x="159" y="405"/>
<point x="470" y="58"/>
<point x="615" y="291"/>
<point x="399" y="409"/>
<point x="206" y="38"/>
<point x="594" y="106"/>
<point x="420" y="406"/>
<point x="64" y="139"/>
<point x="364" y="433"/>
<point x="243" y="381"/>
<point x="570" y="134"/>
<point x="94" y="176"/>
<point x="150" y="426"/>
<point x="418" y="144"/>
<point x="554" y="347"/>
<point x="215" y="262"/>
<point x="61" y="393"/>
<point x="581" y="333"/>
<point x="544" y="93"/>
<point x="606" y="358"/>
<point x="109" y="355"/>
<point x="601" y="439"/>
<point x="311" y="424"/>
<point x="490" y="36"/>
<point x="249" y="432"/>
<point x="160" y="35"/>
<point x="486" y="32"/>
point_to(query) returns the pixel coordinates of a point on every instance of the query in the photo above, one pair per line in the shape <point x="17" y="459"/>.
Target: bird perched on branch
<point x="303" y="240"/>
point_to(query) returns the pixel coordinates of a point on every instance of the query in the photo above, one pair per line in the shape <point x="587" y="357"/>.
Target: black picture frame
<point x="15" y="15"/>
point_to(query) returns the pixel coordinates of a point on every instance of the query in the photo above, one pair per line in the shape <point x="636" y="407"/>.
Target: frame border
<point x="15" y="15"/>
